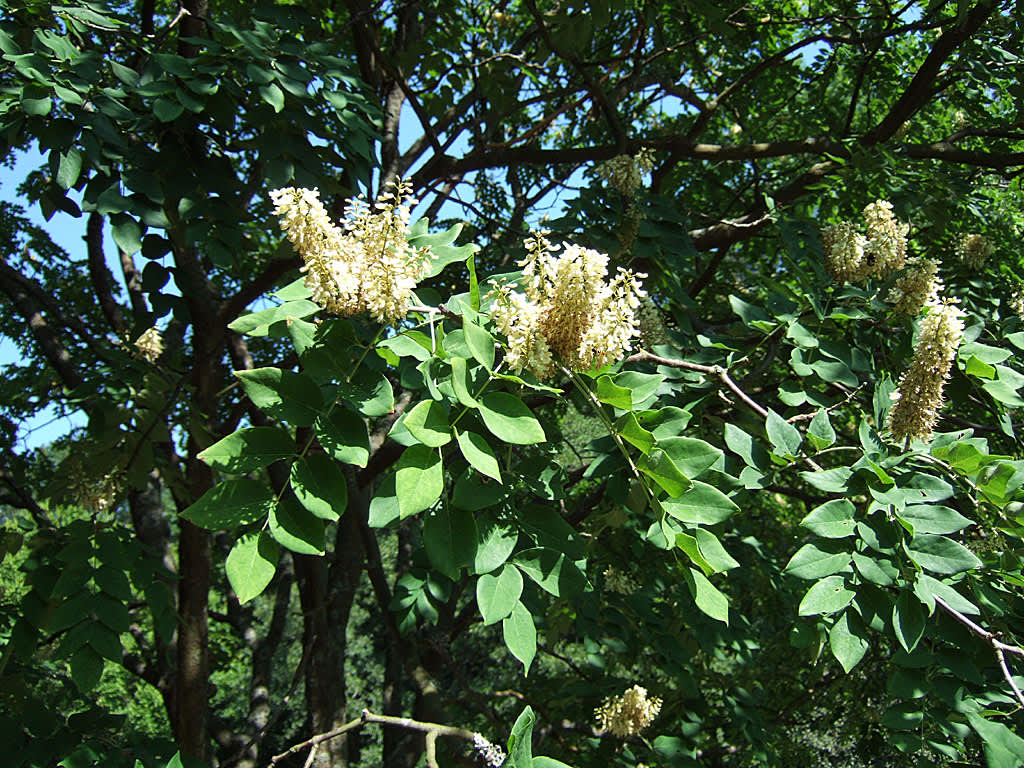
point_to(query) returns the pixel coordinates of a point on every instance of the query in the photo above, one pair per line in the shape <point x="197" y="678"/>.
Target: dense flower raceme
<point x="366" y="264"/>
<point x="628" y="714"/>
<point x="919" y="396"/>
<point x="625" y="173"/>
<point x="918" y="286"/>
<point x="973" y="250"/>
<point x="569" y="313"/>
<point x="853" y="256"/>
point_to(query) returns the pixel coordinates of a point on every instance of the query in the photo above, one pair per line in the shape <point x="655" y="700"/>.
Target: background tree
<point x="705" y="147"/>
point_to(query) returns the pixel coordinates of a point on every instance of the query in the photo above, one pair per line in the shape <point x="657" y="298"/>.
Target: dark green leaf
<point x="832" y="520"/>
<point x="818" y="559"/>
<point x="428" y="423"/>
<point x="297" y="529"/>
<point x="848" y="640"/>
<point x="479" y="454"/>
<point x="552" y="571"/>
<point x="520" y="636"/>
<point x="343" y="435"/>
<point x="235" y="502"/>
<point x="249" y="449"/>
<point x="293" y="397"/>
<point x="319" y="485"/>
<point x="450" y="539"/>
<point x="826" y="596"/>
<point x="941" y="555"/>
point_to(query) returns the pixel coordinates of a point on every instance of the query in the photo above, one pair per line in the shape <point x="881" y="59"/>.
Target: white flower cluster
<point x="492" y="755"/>
<point x="365" y="265"/>
<point x="617" y="581"/>
<point x="918" y="286"/>
<point x="973" y="250"/>
<point x="628" y="714"/>
<point x="625" y="173"/>
<point x="1016" y="300"/>
<point x="850" y="255"/>
<point x="150" y="344"/>
<point x="919" y="396"/>
<point x="569" y="313"/>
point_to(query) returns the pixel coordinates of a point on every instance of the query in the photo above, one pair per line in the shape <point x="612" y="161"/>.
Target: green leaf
<point x="69" y="169"/>
<point x="258" y="323"/>
<point x="783" y="435"/>
<point x="690" y="455"/>
<point x="1003" y="747"/>
<point x="552" y="571"/>
<point x="86" y="668"/>
<point x="631" y="431"/>
<point x="496" y="596"/>
<point x="829" y="480"/>
<point x="419" y="479"/>
<point x="496" y="542"/>
<point x="928" y="518"/>
<point x="450" y="538"/>
<point x="848" y="640"/>
<point x="251" y="564"/>
<point x="941" y="555"/>
<point x="520" y="741"/>
<point x="709" y="599"/>
<point x="295" y="528"/>
<point x="520" y="635"/>
<point x="688" y="544"/>
<point x="908" y="620"/>
<point x="611" y="394"/>
<point x="273" y="95"/>
<point x="509" y="420"/>
<point x="702" y="504"/>
<point x="659" y="466"/>
<point x="927" y="589"/>
<point x="343" y="435"/>
<point x="167" y="109"/>
<point x="904" y="716"/>
<point x="428" y="423"/>
<point x="817" y="559"/>
<point x="235" y="502"/>
<point x="249" y="449"/>
<point x="642" y="386"/>
<point x="461" y="382"/>
<point x="746" y="447"/>
<point x="832" y="520"/>
<point x="479" y="454"/>
<point x="319" y="485"/>
<point x="713" y="551"/>
<point x="480" y="343"/>
<point x="826" y="596"/>
<point x="819" y="432"/>
<point x="293" y="397"/>
<point x="127" y="233"/>
<point x="384" y="505"/>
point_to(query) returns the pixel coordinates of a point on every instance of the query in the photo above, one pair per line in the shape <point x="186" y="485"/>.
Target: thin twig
<point x="999" y="648"/>
<point x="431" y="732"/>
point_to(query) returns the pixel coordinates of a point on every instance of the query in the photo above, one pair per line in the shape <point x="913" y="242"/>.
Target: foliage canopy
<point x="276" y="518"/>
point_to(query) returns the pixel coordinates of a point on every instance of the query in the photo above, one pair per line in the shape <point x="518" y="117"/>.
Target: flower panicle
<point x="569" y="312"/>
<point x="364" y="265"/>
<point x="626" y="715"/>
<point x="853" y="256"/>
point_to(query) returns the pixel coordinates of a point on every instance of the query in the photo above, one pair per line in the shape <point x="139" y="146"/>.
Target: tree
<point x="732" y="522"/>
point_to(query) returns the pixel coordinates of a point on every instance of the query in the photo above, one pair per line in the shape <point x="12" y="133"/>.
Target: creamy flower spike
<point x="918" y="286"/>
<point x="852" y="256"/>
<point x="973" y="250"/>
<point x="886" y="246"/>
<point x="365" y="265"/>
<point x="919" y="396"/>
<point x="569" y="312"/>
<point x="628" y="714"/>
<point x="625" y="173"/>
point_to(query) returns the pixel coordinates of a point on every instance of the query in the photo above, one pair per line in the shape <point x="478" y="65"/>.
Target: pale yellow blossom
<point x="628" y="714"/>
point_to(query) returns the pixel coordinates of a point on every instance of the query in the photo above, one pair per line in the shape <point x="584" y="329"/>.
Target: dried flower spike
<point x="973" y="250"/>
